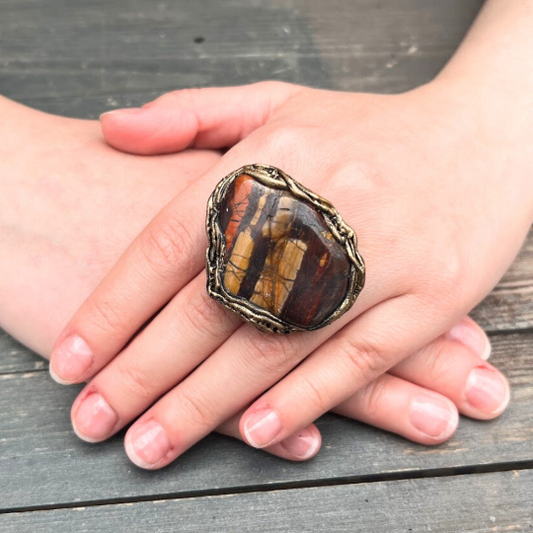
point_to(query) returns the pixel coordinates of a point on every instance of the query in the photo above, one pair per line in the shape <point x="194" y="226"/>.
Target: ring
<point x="279" y="255"/>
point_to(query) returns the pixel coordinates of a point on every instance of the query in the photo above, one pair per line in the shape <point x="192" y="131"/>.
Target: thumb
<point x="199" y="118"/>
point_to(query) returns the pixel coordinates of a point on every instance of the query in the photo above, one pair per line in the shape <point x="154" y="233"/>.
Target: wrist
<point x="490" y="73"/>
<point x="476" y="130"/>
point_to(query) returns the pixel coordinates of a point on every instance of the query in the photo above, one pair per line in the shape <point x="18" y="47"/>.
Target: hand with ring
<point x="439" y="216"/>
<point x="81" y="241"/>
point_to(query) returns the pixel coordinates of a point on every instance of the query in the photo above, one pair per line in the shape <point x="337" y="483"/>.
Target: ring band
<point x="279" y="255"/>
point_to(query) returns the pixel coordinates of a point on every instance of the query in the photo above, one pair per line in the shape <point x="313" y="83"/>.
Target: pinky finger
<point x="301" y="446"/>
<point x="401" y="407"/>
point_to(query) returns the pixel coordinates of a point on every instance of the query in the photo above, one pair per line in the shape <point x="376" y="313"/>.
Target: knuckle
<point x="314" y="394"/>
<point x="137" y="382"/>
<point x="197" y="409"/>
<point x="272" y="352"/>
<point x="445" y="284"/>
<point x="275" y="92"/>
<point x="439" y="362"/>
<point x="166" y="245"/>
<point x="450" y="271"/>
<point x="364" y="360"/>
<point x="106" y="316"/>
<point x="373" y="397"/>
<point x="205" y="315"/>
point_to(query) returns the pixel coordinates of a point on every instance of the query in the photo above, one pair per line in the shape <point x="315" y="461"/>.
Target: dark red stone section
<point x="281" y="255"/>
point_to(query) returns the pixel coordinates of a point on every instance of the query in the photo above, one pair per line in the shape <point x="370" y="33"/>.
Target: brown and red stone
<point x="280" y="254"/>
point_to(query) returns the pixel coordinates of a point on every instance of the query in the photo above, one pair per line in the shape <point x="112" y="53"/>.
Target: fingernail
<point x="302" y="444"/>
<point x="433" y="416"/>
<point x="147" y="444"/>
<point x="125" y="111"/>
<point x="487" y="390"/>
<point x="71" y="360"/>
<point x="473" y="337"/>
<point x="95" y="419"/>
<point x="262" y="427"/>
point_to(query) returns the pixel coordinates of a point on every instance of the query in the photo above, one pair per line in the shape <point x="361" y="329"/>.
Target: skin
<point x="434" y="181"/>
<point x="95" y="200"/>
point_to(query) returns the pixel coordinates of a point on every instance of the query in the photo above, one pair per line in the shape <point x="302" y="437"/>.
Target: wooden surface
<point x="82" y="58"/>
<point x="482" y="503"/>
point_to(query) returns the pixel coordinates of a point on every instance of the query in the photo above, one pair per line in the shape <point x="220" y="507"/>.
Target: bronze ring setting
<point x="279" y="255"/>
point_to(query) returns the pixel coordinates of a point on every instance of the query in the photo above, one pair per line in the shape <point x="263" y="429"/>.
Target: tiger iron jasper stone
<point x="279" y="255"/>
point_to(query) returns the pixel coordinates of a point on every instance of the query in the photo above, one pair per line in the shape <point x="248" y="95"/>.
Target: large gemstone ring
<point x="279" y="255"/>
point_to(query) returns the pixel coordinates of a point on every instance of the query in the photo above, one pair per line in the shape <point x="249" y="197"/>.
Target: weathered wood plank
<point x="476" y="503"/>
<point x="92" y="55"/>
<point x="43" y="463"/>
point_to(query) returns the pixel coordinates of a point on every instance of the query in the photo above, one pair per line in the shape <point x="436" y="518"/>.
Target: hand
<point x="429" y="209"/>
<point x="69" y="206"/>
<point x="105" y="199"/>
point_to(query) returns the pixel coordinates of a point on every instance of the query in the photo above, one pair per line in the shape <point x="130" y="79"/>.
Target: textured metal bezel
<point x="216" y="250"/>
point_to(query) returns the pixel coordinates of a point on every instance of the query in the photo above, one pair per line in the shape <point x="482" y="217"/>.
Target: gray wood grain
<point x="81" y="58"/>
<point x="476" y="503"/>
<point x="43" y="463"/>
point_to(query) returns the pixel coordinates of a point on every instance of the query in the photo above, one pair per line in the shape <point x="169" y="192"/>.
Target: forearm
<point x="498" y="49"/>
<point x="491" y="77"/>
<point x="495" y="62"/>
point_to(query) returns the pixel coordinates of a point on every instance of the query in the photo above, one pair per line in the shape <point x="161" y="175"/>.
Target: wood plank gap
<point x="24" y="371"/>
<point x="228" y="491"/>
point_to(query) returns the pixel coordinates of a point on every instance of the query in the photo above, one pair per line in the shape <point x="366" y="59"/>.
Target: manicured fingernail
<point x="303" y="444"/>
<point x="125" y="111"/>
<point x="487" y="390"/>
<point x="262" y="427"/>
<point x="433" y="416"/>
<point x="147" y="444"/>
<point x="71" y="360"/>
<point x="473" y="337"/>
<point x="94" y="419"/>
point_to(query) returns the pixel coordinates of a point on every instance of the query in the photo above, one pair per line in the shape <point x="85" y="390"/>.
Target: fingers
<point x="401" y="407"/>
<point x="189" y="329"/>
<point x="303" y="445"/>
<point x="454" y="366"/>
<point x="391" y="403"/>
<point x="167" y="254"/>
<point x="210" y="117"/>
<point x="355" y="356"/>
<point x="245" y="365"/>
<point x="185" y="332"/>
<point x="427" y="412"/>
